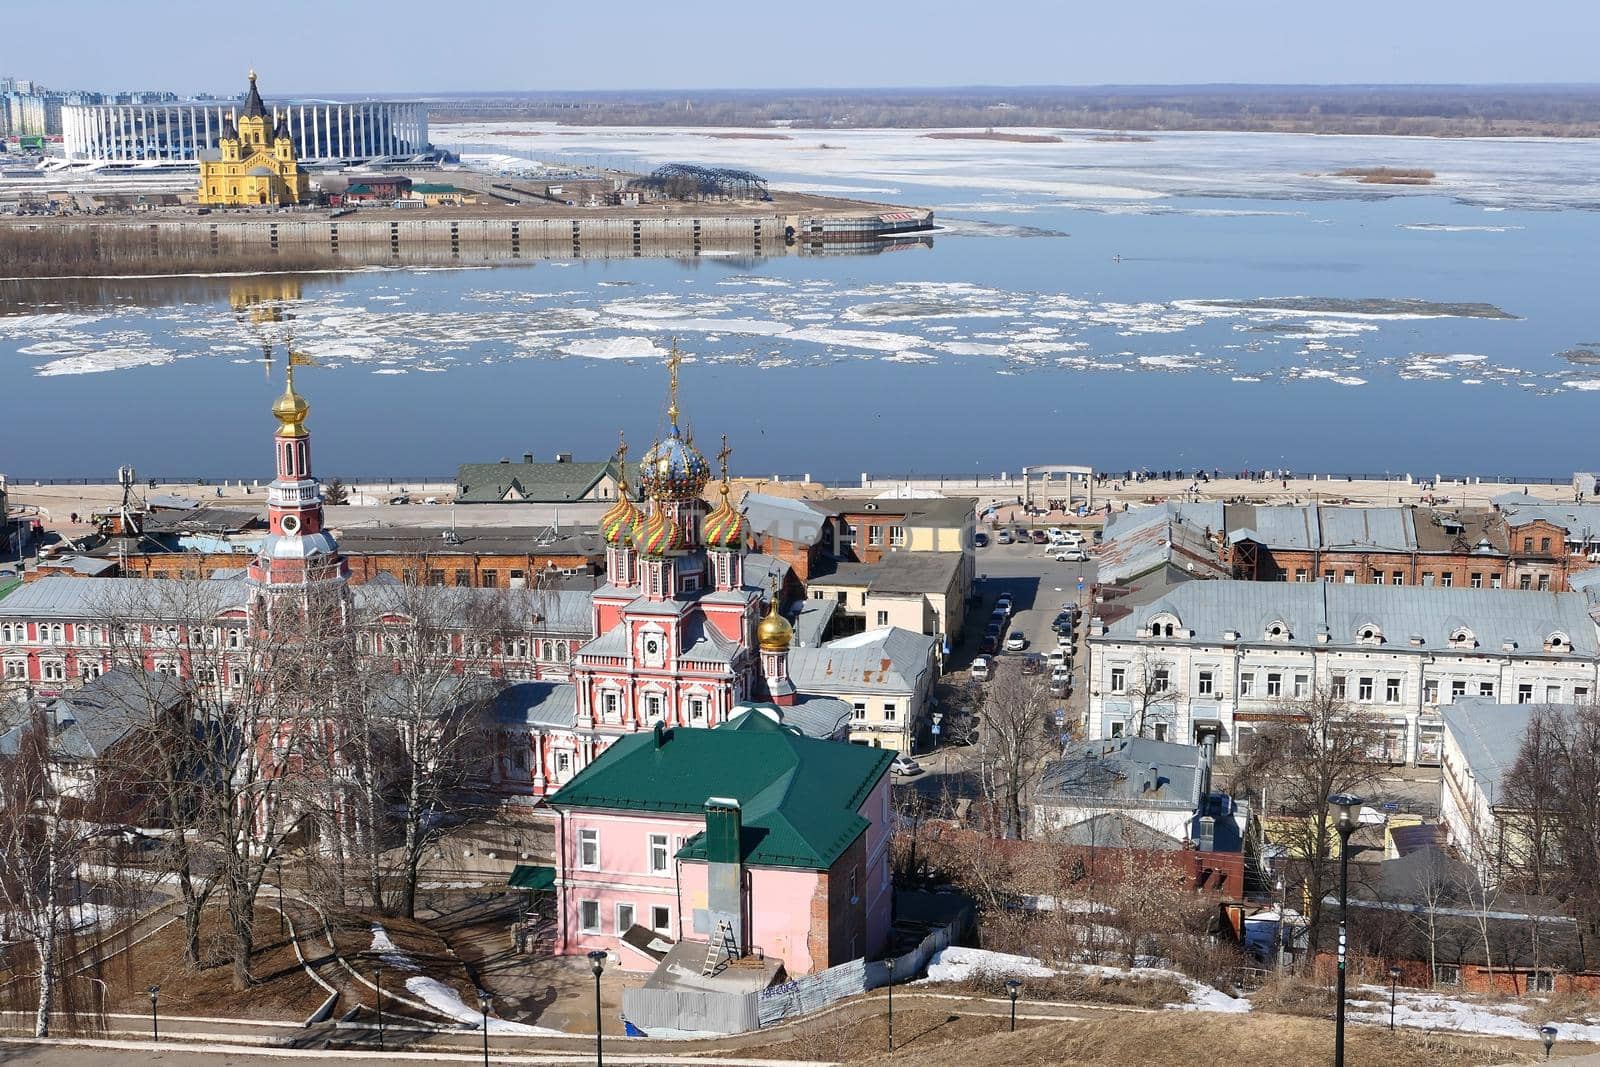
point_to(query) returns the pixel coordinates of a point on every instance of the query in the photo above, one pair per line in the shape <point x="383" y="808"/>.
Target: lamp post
<point x="1547" y="1034"/>
<point x="597" y="963"/>
<point x="483" y="1006"/>
<point x="1394" y="980"/>
<point x="377" y="978"/>
<point x="1013" y="987"/>
<point x="155" y="1021"/>
<point x="1283" y="902"/>
<point x="891" y="996"/>
<point x="1347" y="814"/>
<point x="283" y="929"/>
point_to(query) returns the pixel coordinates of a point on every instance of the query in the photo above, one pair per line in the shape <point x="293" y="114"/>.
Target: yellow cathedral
<point x="252" y="165"/>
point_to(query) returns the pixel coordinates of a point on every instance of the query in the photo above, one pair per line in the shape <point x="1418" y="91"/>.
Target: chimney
<point x="724" y="870"/>
<point x="660" y="732"/>
<point x="563" y="457"/>
<point x="527" y="457"/>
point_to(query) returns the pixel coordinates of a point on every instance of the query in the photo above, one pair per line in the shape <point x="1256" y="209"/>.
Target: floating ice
<point x="625" y="347"/>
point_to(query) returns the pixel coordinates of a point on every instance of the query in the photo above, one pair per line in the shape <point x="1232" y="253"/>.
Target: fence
<point x="733" y="1013"/>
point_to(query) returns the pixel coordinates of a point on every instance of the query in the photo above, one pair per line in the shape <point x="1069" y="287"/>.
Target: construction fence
<point x="733" y="1013"/>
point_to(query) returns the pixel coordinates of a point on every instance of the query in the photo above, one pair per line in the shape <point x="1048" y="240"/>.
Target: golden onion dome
<point x="773" y="632"/>
<point x="725" y="527"/>
<point x="290" y="409"/>
<point x="661" y="534"/>
<point x="618" y="523"/>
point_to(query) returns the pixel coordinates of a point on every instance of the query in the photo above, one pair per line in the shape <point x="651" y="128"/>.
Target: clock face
<point x="290" y="524"/>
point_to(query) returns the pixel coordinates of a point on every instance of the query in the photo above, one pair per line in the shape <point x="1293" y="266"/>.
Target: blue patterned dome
<point x="673" y="469"/>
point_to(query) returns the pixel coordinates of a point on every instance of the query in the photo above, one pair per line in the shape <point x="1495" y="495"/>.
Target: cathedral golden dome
<point x="773" y="633"/>
<point x="291" y="408"/>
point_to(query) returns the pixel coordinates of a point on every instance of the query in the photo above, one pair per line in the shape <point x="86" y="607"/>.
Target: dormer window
<point x="1557" y="642"/>
<point x="1165" y="625"/>
<point x="1277" y="630"/>
<point x="1369" y="634"/>
<point x="1461" y="637"/>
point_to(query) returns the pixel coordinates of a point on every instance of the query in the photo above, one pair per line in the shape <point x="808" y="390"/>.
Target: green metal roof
<point x="433" y="187"/>
<point x="8" y="586"/>
<point x="527" y="876"/>
<point x="538" y="483"/>
<point x="799" y="797"/>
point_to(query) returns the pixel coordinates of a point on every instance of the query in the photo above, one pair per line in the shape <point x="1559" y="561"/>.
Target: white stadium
<point x="324" y="132"/>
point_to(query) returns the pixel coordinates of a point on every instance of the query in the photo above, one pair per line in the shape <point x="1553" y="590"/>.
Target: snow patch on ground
<point x="1424" y="1010"/>
<point x="442" y="998"/>
<point x="389" y="952"/>
<point x="956" y="964"/>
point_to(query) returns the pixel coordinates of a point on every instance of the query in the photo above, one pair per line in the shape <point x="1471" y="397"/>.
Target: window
<point x="1446" y="578"/>
<point x="1542" y="981"/>
<point x="589" y="916"/>
<point x="1430" y="691"/>
<point x="1377" y="577"/>
<point x="661" y="919"/>
<point x="1580" y="694"/>
<point x="1364" y="690"/>
<point x="236" y="676"/>
<point x="1527" y="544"/>
<point x="1476" y="580"/>
<point x="658" y="853"/>
<point x="463" y="578"/>
<point x="90" y="671"/>
<point x="1544" y="583"/>
<point x="1299" y="574"/>
<point x="1391" y="690"/>
<point x="859" y="712"/>
<point x="1552" y="694"/>
<point x="589" y="849"/>
<point x="16" y="670"/>
<point x="1446" y="974"/>
<point x="1119" y="679"/>
<point x="883" y="618"/>
<point x="652" y="707"/>
<point x="1525" y="581"/>
<point x="1524" y="694"/>
<point x="875" y="535"/>
<point x="1544" y="546"/>
<point x="490" y="579"/>
<point x="897" y="535"/>
<point x="624" y="918"/>
<point x="1327" y="576"/>
<point x="1486" y="689"/>
<point x="608" y="705"/>
<point x="890" y="712"/>
<point x="1247" y="684"/>
<point x="1203" y="685"/>
<point x="697" y="709"/>
<point x="1161" y="731"/>
<point x="56" y="671"/>
<point x="1116" y="728"/>
<point x="1427" y="578"/>
<point x="1494" y="581"/>
<point x="1397" y="578"/>
<point x="1349" y="577"/>
<point x="436" y="577"/>
<point x="1339" y="685"/>
<point x="1458" y="688"/>
<point x="1161" y="680"/>
<point x="1274" y="685"/>
<point x="1302" y="686"/>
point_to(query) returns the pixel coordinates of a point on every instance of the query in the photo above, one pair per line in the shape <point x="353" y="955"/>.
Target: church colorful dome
<point x="674" y="469"/>
<point x="724" y="527"/>
<point x="661" y="534"/>
<point x="618" y="523"/>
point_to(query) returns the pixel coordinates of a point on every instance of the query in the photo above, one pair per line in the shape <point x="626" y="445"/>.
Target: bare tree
<point x="1319" y="746"/>
<point x="1151" y="693"/>
<point x="1015" y="711"/>
<point x="40" y="847"/>
<point x="1147" y="893"/>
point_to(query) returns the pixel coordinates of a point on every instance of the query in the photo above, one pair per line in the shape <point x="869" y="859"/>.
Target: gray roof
<point x="784" y="517"/>
<point x="488" y="483"/>
<point x="557" y="609"/>
<point x="203" y="520"/>
<point x="83" y="598"/>
<point x="537" y="704"/>
<point x="913" y="510"/>
<point x="83" y="566"/>
<point x="1127" y="772"/>
<point x="889" y="660"/>
<point x="760" y="569"/>
<point x="89" y="720"/>
<point x="811" y="622"/>
<point x="614" y="642"/>
<point x="1139" y="549"/>
<point x="1114" y="829"/>
<point x="1574" y="518"/>
<point x="1202" y="516"/>
<point x="1489" y="735"/>
<point x="897" y="573"/>
<point x="469" y="540"/>
<point x="824" y="718"/>
<point x="1494" y="616"/>
<point x="704" y="643"/>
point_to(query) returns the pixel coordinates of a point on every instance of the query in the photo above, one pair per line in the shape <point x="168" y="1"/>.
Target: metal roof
<point x="537" y="704"/>
<point x="1126" y="772"/>
<point x="786" y="518"/>
<point x="888" y="660"/>
<point x="150" y="598"/>
<point x="1489" y="734"/>
<point x="490" y="483"/>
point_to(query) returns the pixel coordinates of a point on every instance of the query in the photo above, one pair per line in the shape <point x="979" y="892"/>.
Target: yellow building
<point x="252" y="164"/>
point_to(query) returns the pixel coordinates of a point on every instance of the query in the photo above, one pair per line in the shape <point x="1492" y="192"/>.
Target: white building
<point x="323" y="131"/>
<point x="1216" y="659"/>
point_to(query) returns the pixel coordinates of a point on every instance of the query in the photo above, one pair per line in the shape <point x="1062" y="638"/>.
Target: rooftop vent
<point x="527" y="457"/>
<point x="563" y="457"/>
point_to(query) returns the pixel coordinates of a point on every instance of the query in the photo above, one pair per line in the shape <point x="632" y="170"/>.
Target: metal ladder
<point x="719" y="945"/>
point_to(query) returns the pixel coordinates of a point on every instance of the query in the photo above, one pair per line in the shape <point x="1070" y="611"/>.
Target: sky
<point x="303" y="47"/>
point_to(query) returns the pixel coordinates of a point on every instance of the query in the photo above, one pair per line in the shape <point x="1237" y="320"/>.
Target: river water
<point x="1200" y="299"/>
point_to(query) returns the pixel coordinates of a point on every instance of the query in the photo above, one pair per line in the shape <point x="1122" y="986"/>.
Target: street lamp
<point x="597" y="963"/>
<point x="1347" y="814"/>
<point x="1394" y="980"/>
<point x="377" y="978"/>
<point x="483" y="1006"/>
<point x="891" y="997"/>
<point x="155" y="1021"/>
<point x="1013" y="987"/>
<point x="1547" y="1034"/>
<point x="1283" y="902"/>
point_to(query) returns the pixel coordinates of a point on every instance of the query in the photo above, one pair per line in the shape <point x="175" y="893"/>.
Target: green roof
<point x="798" y="797"/>
<point x="8" y="586"/>
<point x="527" y="876"/>
<point x="433" y="187"/>
<point x="536" y="483"/>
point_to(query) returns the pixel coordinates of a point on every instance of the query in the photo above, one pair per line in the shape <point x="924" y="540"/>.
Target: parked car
<point x="990" y="644"/>
<point x="1064" y="640"/>
<point x="1058" y="658"/>
<point x="999" y="617"/>
<point x="1040" y="537"/>
<point x="1033" y="663"/>
<point x="1063" y="623"/>
<point x="982" y="669"/>
<point x="905" y="765"/>
<point x="1003" y="537"/>
<point x="1072" y="555"/>
<point x="1004" y="604"/>
<point x="1061" y="688"/>
<point x="980" y="539"/>
<point x="1072" y="537"/>
<point x="1016" y="641"/>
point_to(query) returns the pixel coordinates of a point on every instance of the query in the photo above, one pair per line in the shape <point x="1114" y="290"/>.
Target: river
<point x="1218" y="300"/>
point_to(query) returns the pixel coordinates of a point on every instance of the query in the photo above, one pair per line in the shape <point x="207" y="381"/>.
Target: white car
<point x="905" y="765"/>
<point x="1016" y="641"/>
<point x="1072" y="537"/>
<point x="982" y="669"/>
<point x="1061" y="676"/>
<point x="1072" y="555"/>
<point x="1057" y="658"/>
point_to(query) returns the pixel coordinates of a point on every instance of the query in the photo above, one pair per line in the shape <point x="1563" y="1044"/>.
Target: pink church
<point x="747" y="840"/>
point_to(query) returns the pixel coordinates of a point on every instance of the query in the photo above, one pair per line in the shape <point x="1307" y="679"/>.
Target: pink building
<point x="749" y="837"/>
